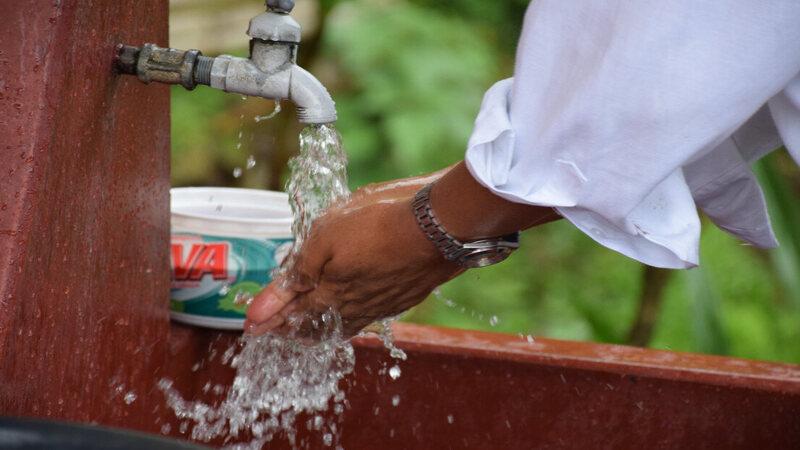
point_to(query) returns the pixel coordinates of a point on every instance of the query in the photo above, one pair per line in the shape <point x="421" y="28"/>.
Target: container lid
<point x="247" y="213"/>
<point x="220" y="323"/>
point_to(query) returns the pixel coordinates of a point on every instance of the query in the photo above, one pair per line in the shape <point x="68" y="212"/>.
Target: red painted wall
<point x="84" y="212"/>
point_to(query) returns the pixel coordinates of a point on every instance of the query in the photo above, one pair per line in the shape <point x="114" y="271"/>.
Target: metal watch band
<point x="477" y="253"/>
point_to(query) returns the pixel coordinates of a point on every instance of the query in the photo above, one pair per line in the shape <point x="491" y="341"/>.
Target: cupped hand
<point x="367" y="259"/>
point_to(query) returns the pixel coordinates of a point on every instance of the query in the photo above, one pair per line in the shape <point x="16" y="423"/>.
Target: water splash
<point x="280" y="377"/>
<point x="319" y="179"/>
<point x="277" y="379"/>
<point x="383" y="329"/>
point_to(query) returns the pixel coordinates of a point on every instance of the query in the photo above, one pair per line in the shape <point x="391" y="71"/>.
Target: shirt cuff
<point x="662" y="231"/>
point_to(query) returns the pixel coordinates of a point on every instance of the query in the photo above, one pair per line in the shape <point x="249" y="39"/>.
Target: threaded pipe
<point x="202" y="70"/>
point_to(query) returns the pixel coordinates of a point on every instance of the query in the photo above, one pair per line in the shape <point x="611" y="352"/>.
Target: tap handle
<point x="281" y="6"/>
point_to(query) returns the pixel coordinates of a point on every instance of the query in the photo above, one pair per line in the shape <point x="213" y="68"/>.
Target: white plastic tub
<point x="225" y="242"/>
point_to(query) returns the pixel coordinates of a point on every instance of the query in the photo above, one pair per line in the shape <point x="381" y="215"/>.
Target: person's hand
<point x="366" y="259"/>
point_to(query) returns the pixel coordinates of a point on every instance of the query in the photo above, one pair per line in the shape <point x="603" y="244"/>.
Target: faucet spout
<point x="314" y="103"/>
<point x="243" y="76"/>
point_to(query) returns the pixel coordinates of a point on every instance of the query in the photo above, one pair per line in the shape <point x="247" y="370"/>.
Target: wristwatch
<point x="469" y="254"/>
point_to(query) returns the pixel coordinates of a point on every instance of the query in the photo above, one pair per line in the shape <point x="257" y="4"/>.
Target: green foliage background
<point x="408" y="78"/>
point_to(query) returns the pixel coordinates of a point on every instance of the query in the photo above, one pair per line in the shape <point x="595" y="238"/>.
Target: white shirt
<point x="628" y="115"/>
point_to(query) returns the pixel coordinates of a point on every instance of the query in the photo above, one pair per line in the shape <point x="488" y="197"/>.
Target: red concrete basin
<point x="505" y="393"/>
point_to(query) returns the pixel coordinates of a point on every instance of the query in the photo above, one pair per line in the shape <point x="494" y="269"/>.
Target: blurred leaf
<point x="709" y="334"/>
<point x="784" y="210"/>
<point x="417" y="100"/>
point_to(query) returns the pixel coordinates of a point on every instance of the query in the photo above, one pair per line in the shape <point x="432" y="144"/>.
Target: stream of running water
<point x="280" y="377"/>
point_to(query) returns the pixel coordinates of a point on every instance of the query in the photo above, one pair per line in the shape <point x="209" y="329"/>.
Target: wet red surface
<point x="462" y="389"/>
<point x="84" y="212"/>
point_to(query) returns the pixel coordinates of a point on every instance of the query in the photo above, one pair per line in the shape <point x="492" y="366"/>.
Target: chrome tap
<point x="270" y="72"/>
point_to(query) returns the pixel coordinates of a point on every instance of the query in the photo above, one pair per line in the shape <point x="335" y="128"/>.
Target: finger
<point x="256" y="329"/>
<point x="273" y="323"/>
<point x="268" y="302"/>
<point x="288" y="320"/>
<point x="306" y="318"/>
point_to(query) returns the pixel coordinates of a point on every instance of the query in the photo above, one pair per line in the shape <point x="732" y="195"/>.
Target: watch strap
<point x="451" y="248"/>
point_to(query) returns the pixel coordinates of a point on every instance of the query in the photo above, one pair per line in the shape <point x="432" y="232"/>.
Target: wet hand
<point x="367" y="259"/>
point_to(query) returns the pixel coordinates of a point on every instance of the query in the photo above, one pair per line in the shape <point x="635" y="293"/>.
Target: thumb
<point x="268" y="302"/>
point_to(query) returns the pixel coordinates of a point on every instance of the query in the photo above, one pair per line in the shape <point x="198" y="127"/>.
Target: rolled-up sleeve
<point x="612" y="100"/>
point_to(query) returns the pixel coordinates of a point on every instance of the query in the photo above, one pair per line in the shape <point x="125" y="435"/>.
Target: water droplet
<point x="327" y="439"/>
<point x="251" y="162"/>
<point x="166" y="428"/>
<point x="529" y="338"/>
<point x="394" y="372"/>
<point x="450" y="419"/>
<point x="237" y="172"/>
<point x="243" y="298"/>
<point x="223" y="291"/>
<point x="270" y="115"/>
<point x="130" y="397"/>
<point x="395" y="400"/>
<point x="493" y="321"/>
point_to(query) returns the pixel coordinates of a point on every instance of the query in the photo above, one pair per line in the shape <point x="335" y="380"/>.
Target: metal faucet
<point x="270" y="72"/>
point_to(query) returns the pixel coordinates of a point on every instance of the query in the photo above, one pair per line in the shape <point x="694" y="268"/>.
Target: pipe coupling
<point x="165" y="65"/>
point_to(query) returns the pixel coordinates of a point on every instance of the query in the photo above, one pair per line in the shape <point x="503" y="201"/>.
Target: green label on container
<point x="208" y="272"/>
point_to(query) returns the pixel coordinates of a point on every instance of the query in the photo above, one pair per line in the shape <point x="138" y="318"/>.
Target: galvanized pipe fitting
<point x="163" y="65"/>
<point x="270" y="72"/>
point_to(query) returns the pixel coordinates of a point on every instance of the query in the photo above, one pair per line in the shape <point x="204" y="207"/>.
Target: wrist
<point x="469" y="211"/>
<point x="472" y="254"/>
